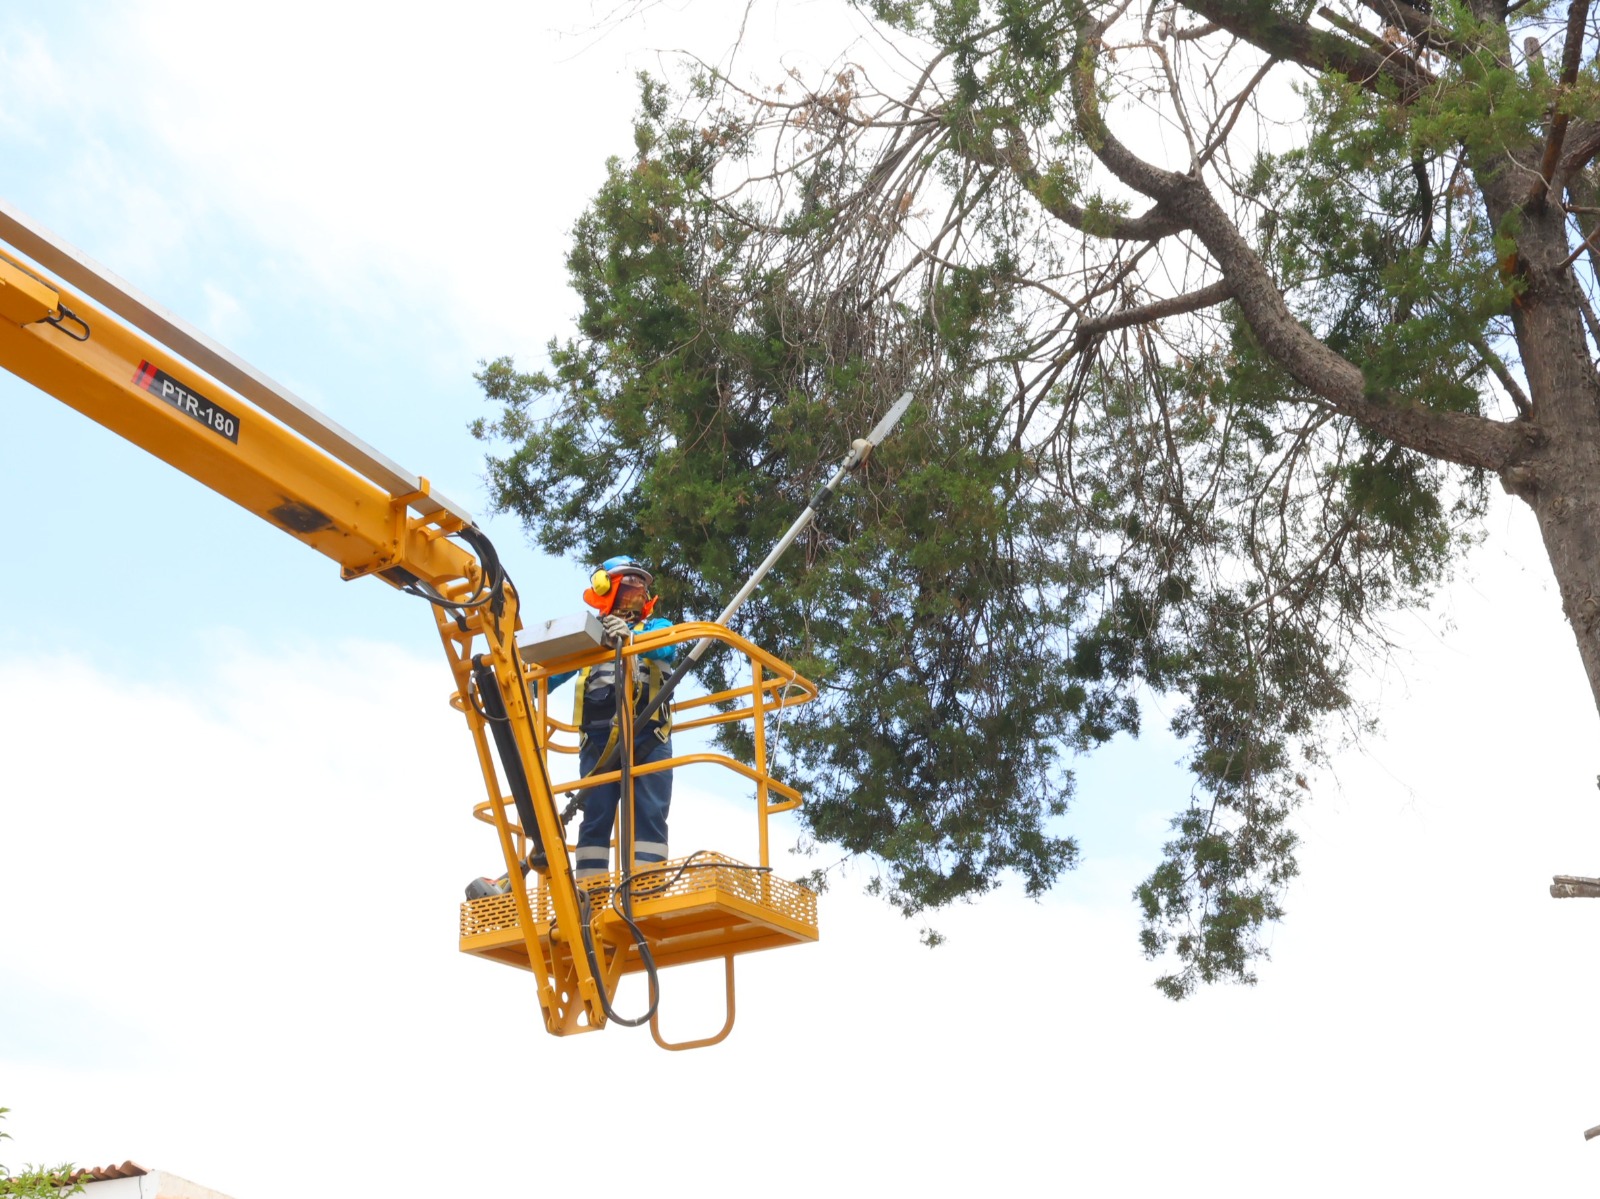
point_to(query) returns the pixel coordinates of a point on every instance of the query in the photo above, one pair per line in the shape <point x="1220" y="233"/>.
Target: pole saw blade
<point x="890" y="419"/>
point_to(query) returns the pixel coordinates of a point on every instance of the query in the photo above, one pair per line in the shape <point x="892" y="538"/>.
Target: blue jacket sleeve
<point x="667" y="652"/>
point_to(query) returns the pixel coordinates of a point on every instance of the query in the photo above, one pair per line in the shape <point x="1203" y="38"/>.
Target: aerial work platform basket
<point x="704" y="906"/>
<point x="701" y="907"/>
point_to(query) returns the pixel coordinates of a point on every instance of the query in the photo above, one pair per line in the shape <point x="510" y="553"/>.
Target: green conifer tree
<point x="1222" y="317"/>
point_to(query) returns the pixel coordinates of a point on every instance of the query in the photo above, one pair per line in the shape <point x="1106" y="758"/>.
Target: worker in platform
<point x="620" y="592"/>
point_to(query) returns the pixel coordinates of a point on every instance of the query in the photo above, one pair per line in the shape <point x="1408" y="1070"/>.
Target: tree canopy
<point x="1221" y="317"/>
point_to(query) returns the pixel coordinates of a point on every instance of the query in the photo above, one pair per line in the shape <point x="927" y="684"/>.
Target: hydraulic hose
<point x="622" y="895"/>
<point x="625" y="779"/>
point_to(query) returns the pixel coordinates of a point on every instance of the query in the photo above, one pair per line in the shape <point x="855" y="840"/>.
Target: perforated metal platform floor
<point x="694" y="909"/>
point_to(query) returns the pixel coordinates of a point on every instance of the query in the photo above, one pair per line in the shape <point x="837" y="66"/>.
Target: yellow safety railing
<point x="774" y="687"/>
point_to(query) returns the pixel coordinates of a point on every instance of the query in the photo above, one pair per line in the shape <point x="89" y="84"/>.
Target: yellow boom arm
<point x="68" y="346"/>
<point x="172" y="391"/>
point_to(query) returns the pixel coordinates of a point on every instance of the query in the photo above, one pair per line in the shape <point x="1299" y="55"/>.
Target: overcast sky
<point x="234" y="817"/>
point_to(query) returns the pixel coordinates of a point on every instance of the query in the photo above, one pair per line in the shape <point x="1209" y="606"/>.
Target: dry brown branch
<point x="1571" y="59"/>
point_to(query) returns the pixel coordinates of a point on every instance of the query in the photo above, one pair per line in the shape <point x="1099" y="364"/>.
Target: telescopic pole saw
<point x="860" y="449"/>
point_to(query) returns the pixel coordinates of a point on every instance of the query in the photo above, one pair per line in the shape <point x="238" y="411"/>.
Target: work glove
<point x="617" y="629"/>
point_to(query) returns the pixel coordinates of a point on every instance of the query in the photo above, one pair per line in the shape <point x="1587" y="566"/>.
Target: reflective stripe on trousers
<point x="592" y="861"/>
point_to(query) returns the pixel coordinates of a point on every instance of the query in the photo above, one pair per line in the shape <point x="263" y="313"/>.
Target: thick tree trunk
<point x="1560" y="479"/>
<point x="1567" y="502"/>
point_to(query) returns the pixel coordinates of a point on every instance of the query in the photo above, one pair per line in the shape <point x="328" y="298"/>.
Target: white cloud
<point x="30" y="82"/>
<point x="389" y="151"/>
<point x="248" y="874"/>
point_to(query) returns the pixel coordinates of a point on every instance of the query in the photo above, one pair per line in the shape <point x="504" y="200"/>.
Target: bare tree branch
<point x="1497" y="365"/>
<point x="1316" y="49"/>
<point x="1121" y="318"/>
<point x="1583" y="143"/>
<point x="1416" y="23"/>
<point x="1456" y="437"/>
<point x="1015" y="156"/>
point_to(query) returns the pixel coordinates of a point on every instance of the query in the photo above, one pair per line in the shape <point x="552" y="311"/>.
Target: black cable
<point x="645" y="956"/>
<point x="494" y="575"/>
<point x="624" y="725"/>
<point x="625" y="748"/>
<point x="426" y="591"/>
<point x="622" y="904"/>
<point x="586" y="929"/>
<point x="682" y="868"/>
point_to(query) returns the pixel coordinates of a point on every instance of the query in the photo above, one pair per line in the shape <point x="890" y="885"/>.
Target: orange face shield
<point x="626" y="596"/>
<point x="633" y="598"/>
